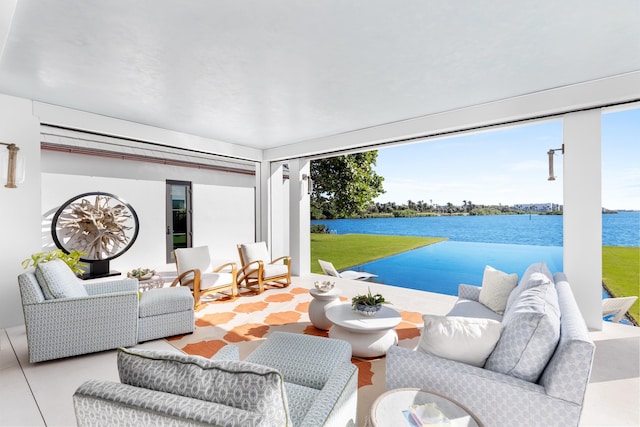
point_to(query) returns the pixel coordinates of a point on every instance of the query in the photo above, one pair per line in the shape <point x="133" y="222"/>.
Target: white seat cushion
<point x="271" y="270"/>
<point x="215" y="280"/>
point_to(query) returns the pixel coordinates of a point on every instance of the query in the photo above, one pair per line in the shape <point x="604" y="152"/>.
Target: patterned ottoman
<point x="164" y="312"/>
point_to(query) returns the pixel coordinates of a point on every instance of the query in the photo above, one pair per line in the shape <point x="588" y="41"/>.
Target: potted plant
<point x="368" y="304"/>
<point x="72" y="259"/>
<point x="141" y="273"/>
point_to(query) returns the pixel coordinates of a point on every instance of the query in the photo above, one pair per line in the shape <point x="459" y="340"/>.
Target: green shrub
<point x="319" y="229"/>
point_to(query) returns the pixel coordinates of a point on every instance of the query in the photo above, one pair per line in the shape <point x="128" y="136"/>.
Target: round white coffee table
<point x="387" y="409"/>
<point x="317" y="308"/>
<point x="368" y="336"/>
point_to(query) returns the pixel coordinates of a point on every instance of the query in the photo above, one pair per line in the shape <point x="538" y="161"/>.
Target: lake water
<point x="507" y="242"/>
<point x="621" y="229"/>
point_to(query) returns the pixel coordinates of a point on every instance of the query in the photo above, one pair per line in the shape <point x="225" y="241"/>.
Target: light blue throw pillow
<point x="530" y="335"/>
<point x="58" y="281"/>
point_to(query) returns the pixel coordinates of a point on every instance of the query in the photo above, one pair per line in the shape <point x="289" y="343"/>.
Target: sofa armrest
<point x="496" y="399"/>
<point x="71" y="326"/>
<point x="111" y="286"/>
<point x="336" y="404"/>
<point x="469" y="292"/>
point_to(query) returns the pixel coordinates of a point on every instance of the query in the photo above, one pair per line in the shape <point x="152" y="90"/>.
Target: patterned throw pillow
<point x="463" y="339"/>
<point x="530" y="336"/>
<point x="496" y="288"/>
<point x="535" y="275"/>
<point x="242" y="385"/>
<point x="58" y="281"/>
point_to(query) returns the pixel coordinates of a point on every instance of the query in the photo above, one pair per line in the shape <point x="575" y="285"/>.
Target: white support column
<point x="299" y="214"/>
<point x="263" y="202"/>
<point x="279" y="225"/>
<point x="583" y="212"/>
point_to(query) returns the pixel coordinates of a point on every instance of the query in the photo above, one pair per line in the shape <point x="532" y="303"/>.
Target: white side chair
<point x="196" y="270"/>
<point x="330" y="270"/>
<point x="257" y="270"/>
<point x="617" y="306"/>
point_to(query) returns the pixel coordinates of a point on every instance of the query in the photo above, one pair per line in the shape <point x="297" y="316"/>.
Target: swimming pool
<point x="442" y="266"/>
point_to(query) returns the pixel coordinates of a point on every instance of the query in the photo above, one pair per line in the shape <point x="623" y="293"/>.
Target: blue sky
<point x="509" y="166"/>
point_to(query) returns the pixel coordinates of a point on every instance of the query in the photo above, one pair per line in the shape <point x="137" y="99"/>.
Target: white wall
<point x="54" y="177"/>
<point x="222" y="215"/>
<point x="19" y="207"/>
<point x="147" y="198"/>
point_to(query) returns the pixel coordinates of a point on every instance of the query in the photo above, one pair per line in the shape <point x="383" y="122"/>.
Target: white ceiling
<point x="269" y="73"/>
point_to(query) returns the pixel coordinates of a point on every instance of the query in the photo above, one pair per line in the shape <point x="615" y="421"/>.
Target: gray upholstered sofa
<point x="65" y="316"/>
<point x="289" y="380"/>
<point x="524" y="382"/>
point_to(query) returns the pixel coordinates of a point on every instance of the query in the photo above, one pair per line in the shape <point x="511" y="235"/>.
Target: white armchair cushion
<point x="496" y="288"/>
<point x="463" y="339"/>
<point x="252" y="252"/>
<point x="58" y="281"/>
<point x="197" y="258"/>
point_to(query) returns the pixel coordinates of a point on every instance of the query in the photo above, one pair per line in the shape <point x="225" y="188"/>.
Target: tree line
<point x="345" y="187"/>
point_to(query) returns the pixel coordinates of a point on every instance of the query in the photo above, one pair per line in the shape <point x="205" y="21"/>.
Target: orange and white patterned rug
<point x="249" y="319"/>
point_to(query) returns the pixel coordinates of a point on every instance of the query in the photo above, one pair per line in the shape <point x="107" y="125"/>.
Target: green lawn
<point x="621" y="273"/>
<point x="620" y="265"/>
<point x="347" y="250"/>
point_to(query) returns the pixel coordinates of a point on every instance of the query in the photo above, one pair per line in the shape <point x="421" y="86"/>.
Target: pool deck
<point x="40" y="394"/>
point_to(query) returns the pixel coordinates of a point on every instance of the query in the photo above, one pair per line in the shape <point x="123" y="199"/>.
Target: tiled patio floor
<point x="40" y="394"/>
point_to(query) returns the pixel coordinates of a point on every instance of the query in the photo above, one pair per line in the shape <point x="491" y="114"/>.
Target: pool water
<point x="441" y="267"/>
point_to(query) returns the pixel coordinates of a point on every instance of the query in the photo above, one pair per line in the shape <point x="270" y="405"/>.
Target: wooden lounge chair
<point x="195" y="270"/>
<point x="617" y="306"/>
<point x="257" y="270"/>
<point x="330" y="270"/>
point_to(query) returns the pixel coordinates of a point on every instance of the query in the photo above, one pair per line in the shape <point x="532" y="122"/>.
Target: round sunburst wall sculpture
<point x="99" y="224"/>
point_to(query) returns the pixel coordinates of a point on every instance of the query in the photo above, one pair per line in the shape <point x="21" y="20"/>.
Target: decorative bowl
<point x="324" y="286"/>
<point x="367" y="310"/>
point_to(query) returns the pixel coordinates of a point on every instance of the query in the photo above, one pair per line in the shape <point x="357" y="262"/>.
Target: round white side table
<point x="387" y="409"/>
<point x="368" y="336"/>
<point x="318" y="306"/>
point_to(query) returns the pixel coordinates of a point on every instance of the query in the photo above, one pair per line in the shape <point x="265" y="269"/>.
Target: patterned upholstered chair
<point x="257" y="270"/>
<point x="65" y="316"/>
<point x="312" y="383"/>
<point x="196" y="271"/>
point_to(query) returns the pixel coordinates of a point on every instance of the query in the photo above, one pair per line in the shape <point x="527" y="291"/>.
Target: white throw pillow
<point x="496" y="288"/>
<point x="463" y="339"/>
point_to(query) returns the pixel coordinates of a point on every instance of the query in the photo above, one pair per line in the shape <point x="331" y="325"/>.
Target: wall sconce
<point x="307" y="178"/>
<point x="551" y="152"/>
<point x="14" y="174"/>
